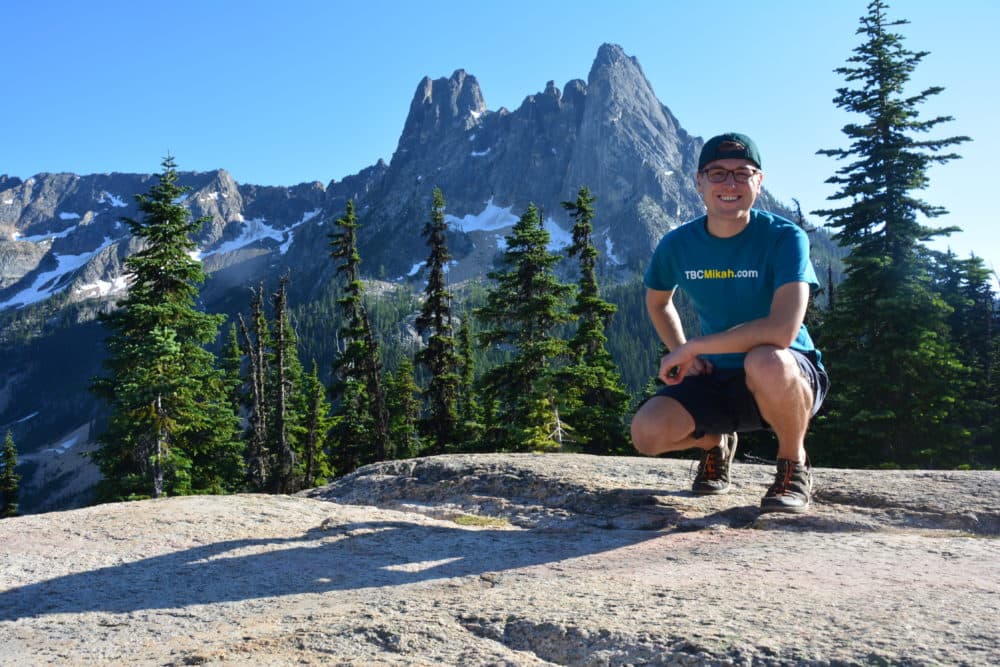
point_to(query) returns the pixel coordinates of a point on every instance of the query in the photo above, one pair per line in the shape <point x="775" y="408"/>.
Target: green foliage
<point x="401" y="397"/>
<point x="469" y="412"/>
<point x="9" y="479"/>
<point x="288" y="412"/>
<point x="522" y="312"/>
<point x="352" y="428"/>
<point x="357" y="388"/>
<point x="314" y="466"/>
<point x="888" y="345"/>
<point x="435" y="322"/>
<point x="590" y="385"/>
<point x="966" y="286"/>
<point x="231" y="364"/>
<point x="285" y="399"/>
<point x="256" y="347"/>
<point x="171" y="430"/>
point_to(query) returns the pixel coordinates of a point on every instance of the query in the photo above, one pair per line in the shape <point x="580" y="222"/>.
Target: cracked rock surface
<point x="516" y="560"/>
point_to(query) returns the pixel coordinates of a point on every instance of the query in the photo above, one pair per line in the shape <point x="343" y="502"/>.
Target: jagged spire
<point x="441" y="104"/>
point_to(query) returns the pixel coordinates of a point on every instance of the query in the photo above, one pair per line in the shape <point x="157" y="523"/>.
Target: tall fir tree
<point x="256" y="347"/>
<point x="886" y="342"/>
<point x="966" y="286"/>
<point x="170" y="430"/>
<point x="231" y="363"/>
<point x="404" y="410"/>
<point x="470" y="414"/>
<point x="591" y="384"/>
<point x="314" y="464"/>
<point x="523" y="310"/>
<point x="434" y="321"/>
<point x="9" y="479"/>
<point x="284" y="390"/>
<point x="357" y="384"/>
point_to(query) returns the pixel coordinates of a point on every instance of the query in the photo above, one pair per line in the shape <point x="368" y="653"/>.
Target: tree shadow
<point x="341" y="558"/>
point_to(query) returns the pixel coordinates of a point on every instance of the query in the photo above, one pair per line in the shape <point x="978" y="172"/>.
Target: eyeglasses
<point x="720" y="175"/>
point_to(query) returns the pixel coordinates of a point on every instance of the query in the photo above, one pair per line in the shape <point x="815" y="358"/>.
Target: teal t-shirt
<point x="733" y="280"/>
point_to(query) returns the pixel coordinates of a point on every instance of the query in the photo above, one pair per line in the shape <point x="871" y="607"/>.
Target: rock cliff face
<point x="516" y="560"/>
<point x="609" y="133"/>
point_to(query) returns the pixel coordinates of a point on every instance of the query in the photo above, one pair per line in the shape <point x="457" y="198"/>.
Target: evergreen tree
<point x="404" y="410"/>
<point x="886" y="342"/>
<point x="315" y="467"/>
<point x="469" y="413"/>
<point x="591" y="384"/>
<point x="232" y="370"/>
<point x="285" y="386"/>
<point x="434" y="322"/>
<point x="170" y="430"/>
<point x="523" y="310"/>
<point x="257" y="345"/>
<point x="966" y="286"/>
<point x="352" y="427"/>
<point x="357" y="384"/>
<point x="9" y="479"/>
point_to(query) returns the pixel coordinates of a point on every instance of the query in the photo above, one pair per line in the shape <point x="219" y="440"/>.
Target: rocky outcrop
<point x="516" y="560"/>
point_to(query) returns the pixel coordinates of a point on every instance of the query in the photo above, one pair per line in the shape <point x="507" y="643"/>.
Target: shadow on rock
<point x="323" y="560"/>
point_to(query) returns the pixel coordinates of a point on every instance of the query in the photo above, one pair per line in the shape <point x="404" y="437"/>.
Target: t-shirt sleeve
<point x="792" y="259"/>
<point x="661" y="274"/>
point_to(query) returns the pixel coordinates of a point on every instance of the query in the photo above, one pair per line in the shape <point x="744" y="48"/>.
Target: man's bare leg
<point x="784" y="399"/>
<point x="663" y="425"/>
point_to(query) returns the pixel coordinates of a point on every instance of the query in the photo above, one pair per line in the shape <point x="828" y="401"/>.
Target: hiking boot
<point x="792" y="488"/>
<point x="713" y="471"/>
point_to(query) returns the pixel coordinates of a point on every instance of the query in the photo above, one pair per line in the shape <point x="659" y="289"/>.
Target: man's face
<point x="729" y="197"/>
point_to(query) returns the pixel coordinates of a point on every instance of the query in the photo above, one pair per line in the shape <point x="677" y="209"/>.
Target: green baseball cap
<point x="729" y="145"/>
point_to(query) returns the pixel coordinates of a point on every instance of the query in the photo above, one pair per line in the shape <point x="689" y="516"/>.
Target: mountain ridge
<point x="63" y="247"/>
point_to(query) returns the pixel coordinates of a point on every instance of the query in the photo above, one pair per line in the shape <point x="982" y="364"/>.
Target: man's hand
<point x="677" y="365"/>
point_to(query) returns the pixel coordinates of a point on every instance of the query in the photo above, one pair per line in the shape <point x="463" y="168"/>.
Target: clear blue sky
<point x="279" y="93"/>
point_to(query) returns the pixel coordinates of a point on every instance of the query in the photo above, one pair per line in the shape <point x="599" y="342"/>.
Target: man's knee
<point x="644" y="433"/>
<point x="769" y="365"/>
<point x="659" y="424"/>
<point x="773" y="372"/>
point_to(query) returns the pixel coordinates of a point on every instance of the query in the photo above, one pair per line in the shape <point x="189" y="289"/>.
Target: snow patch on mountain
<point x="47" y="236"/>
<point x="102" y="288"/>
<point x="491" y="219"/>
<point x="494" y="218"/>
<point x="609" y="252"/>
<point x="114" y="200"/>
<point x="51" y="282"/>
<point x="256" y="230"/>
<point x="559" y="238"/>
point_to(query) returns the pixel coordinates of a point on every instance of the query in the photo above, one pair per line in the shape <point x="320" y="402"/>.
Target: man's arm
<point x="667" y="322"/>
<point x="778" y="328"/>
<point x="663" y="314"/>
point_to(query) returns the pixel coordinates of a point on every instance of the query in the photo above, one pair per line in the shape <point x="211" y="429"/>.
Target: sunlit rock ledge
<point x="516" y="560"/>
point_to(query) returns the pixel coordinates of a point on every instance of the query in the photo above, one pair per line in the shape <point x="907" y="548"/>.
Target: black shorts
<point x="721" y="402"/>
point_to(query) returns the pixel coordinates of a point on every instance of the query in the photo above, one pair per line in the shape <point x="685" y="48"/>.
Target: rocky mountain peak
<point x="613" y="56"/>
<point x="442" y="104"/>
